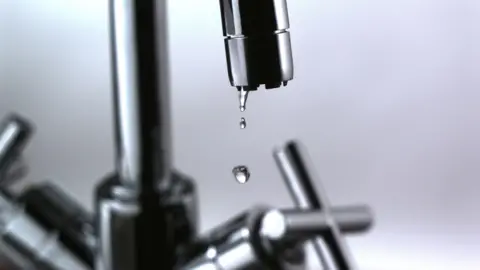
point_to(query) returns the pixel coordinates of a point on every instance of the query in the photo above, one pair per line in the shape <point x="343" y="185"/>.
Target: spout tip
<point x="243" y="96"/>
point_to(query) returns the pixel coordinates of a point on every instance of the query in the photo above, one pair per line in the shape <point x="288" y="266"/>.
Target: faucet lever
<point x="296" y="169"/>
<point x="15" y="131"/>
<point x="287" y="224"/>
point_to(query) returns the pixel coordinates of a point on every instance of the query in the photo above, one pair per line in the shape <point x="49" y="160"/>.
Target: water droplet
<point x="241" y="173"/>
<point x="243" y="123"/>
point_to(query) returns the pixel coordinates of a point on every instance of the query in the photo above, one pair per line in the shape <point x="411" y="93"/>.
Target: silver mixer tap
<point x="146" y="214"/>
<point x="43" y="228"/>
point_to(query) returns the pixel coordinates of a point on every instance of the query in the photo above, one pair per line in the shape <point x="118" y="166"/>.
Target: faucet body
<point x="146" y="211"/>
<point x="43" y="228"/>
<point x="258" y="52"/>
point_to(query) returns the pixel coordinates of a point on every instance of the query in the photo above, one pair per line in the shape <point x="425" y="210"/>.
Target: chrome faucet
<point x="146" y="212"/>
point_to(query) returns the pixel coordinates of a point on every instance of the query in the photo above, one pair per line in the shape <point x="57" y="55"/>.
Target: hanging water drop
<point x="241" y="173"/>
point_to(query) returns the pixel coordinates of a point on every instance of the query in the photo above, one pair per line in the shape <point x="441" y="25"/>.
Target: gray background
<point x="386" y="97"/>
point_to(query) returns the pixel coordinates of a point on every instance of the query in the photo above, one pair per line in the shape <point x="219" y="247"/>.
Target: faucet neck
<point x="141" y="98"/>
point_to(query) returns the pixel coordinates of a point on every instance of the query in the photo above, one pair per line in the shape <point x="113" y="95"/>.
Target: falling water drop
<point x="243" y="123"/>
<point x="241" y="173"/>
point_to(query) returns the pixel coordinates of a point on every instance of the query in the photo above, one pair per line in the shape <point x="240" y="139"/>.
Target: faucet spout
<point x="257" y="43"/>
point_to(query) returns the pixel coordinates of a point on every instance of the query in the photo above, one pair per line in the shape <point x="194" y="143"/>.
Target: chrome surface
<point x="297" y="171"/>
<point x="56" y="210"/>
<point x="140" y="78"/>
<point x="31" y="242"/>
<point x="245" y="18"/>
<point x="145" y="218"/>
<point x="14" y="134"/>
<point x="262" y="238"/>
<point x="287" y="224"/>
<point x="141" y="91"/>
<point x="117" y="249"/>
<point x="257" y="43"/>
<point x="238" y="244"/>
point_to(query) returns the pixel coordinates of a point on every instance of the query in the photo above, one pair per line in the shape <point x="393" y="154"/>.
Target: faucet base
<point x="154" y="237"/>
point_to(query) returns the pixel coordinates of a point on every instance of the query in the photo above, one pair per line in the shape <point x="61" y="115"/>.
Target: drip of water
<point x="243" y="123"/>
<point x="241" y="173"/>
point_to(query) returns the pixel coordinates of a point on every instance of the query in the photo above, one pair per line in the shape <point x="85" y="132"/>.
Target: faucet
<point x="146" y="212"/>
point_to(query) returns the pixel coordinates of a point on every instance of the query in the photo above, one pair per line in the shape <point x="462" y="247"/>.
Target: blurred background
<point x="386" y="97"/>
